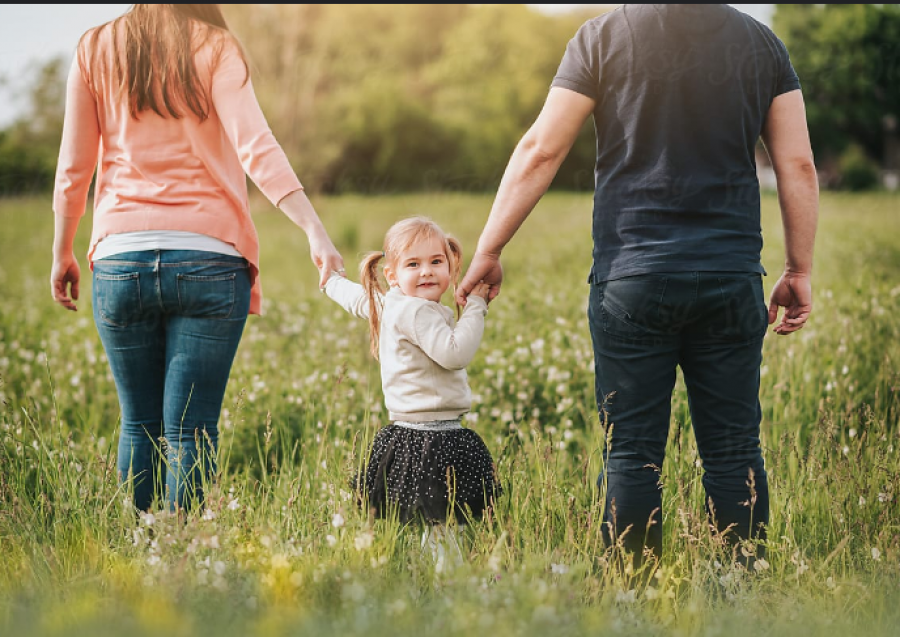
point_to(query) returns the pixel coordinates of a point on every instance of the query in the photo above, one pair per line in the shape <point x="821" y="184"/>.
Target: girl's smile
<point x="422" y="270"/>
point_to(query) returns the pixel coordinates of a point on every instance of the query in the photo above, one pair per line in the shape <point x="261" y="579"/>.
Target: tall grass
<point x="280" y="546"/>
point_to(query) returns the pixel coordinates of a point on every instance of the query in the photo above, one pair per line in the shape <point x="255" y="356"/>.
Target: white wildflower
<point x="761" y="565"/>
<point x="337" y="521"/>
<point x="363" y="541"/>
<point x="626" y="597"/>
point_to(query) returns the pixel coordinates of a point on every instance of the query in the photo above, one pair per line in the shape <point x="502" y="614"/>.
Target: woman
<point x="160" y="102"/>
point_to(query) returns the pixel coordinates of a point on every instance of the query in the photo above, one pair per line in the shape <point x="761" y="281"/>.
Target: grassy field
<point x="281" y="548"/>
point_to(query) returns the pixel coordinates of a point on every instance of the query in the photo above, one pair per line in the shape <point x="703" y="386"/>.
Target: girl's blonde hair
<point x="399" y="238"/>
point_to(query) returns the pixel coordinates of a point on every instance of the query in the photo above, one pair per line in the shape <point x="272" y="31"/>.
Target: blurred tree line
<point x="848" y="60"/>
<point x="383" y="98"/>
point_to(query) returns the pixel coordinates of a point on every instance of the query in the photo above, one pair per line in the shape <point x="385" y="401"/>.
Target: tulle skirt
<point x="429" y="473"/>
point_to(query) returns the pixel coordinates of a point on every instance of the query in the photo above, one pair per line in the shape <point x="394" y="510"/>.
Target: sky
<point x="32" y="34"/>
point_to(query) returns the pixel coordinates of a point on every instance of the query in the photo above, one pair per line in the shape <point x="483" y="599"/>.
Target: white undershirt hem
<point x="160" y="240"/>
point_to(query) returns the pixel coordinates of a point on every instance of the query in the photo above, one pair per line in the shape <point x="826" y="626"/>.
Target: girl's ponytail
<point x="454" y="249"/>
<point x="368" y="275"/>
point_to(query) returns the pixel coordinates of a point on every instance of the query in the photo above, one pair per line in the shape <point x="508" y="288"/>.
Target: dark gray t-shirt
<point x="682" y="93"/>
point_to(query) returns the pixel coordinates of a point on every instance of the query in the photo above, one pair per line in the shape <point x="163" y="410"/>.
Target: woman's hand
<point x="325" y="256"/>
<point x="64" y="279"/>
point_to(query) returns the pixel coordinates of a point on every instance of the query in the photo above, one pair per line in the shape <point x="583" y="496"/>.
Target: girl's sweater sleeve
<point x="450" y="347"/>
<point x="349" y="295"/>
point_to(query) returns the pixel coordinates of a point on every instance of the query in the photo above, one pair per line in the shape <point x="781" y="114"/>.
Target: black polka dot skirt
<point x="429" y="473"/>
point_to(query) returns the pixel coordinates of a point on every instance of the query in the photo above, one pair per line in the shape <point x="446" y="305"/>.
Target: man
<point x="680" y="95"/>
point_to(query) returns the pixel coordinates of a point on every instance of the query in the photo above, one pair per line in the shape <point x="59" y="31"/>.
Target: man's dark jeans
<point x="711" y="324"/>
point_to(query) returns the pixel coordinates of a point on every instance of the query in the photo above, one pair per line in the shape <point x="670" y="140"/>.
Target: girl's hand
<point x="64" y="277"/>
<point x="481" y="289"/>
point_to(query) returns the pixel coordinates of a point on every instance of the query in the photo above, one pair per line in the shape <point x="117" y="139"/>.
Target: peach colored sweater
<point x="156" y="173"/>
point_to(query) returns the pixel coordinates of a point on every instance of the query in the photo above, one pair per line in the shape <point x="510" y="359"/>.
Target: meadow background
<point x="281" y="547"/>
<point x="393" y="110"/>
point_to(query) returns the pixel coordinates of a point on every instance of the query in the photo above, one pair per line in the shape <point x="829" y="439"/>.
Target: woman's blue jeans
<point x="712" y="325"/>
<point x="170" y="322"/>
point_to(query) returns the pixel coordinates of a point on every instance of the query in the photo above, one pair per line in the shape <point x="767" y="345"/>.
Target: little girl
<point x="424" y="463"/>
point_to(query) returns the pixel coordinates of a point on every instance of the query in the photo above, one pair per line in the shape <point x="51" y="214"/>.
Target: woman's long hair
<point x="398" y="238"/>
<point x="153" y="56"/>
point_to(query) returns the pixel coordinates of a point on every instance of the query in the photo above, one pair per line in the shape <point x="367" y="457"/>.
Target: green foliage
<point x="858" y="172"/>
<point x="282" y="548"/>
<point x="29" y="148"/>
<point x="848" y="59"/>
<point x="381" y="98"/>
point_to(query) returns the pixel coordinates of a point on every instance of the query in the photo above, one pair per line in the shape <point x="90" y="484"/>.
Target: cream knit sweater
<point x="423" y="351"/>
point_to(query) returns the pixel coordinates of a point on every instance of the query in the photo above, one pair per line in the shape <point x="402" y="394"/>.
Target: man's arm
<point x="786" y="138"/>
<point x="531" y="168"/>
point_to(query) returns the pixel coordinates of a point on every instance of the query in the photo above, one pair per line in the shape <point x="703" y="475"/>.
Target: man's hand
<point x="793" y="292"/>
<point x="485" y="269"/>
<point x="481" y="289"/>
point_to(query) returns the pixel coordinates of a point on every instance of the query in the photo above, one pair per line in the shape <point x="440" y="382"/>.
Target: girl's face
<point x="422" y="270"/>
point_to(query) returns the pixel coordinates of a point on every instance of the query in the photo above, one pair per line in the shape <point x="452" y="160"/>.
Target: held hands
<point x="793" y="292"/>
<point x="485" y="270"/>
<point x="325" y="257"/>
<point x="481" y="289"/>
<point x="65" y="276"/>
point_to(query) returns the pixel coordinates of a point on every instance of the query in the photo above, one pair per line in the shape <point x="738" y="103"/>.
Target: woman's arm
<point x="263" y="158"/>
<point x="78" y="154"/>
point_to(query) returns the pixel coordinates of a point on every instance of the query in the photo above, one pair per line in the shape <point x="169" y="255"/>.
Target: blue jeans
<point x="711" y="324"/>
<point x="170" y="322"/>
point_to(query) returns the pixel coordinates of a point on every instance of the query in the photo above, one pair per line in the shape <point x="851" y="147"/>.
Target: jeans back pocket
<point x="631" y="307"/>
<point x="118" y="298"/>
<point x="206" y="296"/>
